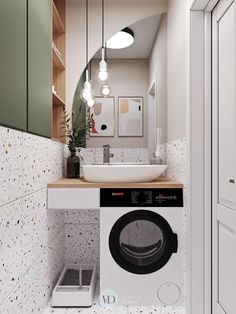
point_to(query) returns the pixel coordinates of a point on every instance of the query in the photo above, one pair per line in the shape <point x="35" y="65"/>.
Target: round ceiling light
<point x="122" y="39"/>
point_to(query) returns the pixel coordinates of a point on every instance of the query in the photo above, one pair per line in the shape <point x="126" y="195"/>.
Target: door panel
<point x="39" y="67"/>
<point x="13" y="88"/>
<point x="226" y="43"/>
<point x="223" y="158"/>
<point x="226" y="266"/>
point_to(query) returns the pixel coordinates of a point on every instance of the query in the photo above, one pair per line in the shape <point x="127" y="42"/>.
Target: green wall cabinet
<point x="26" y="66"/>
<point x="13" y="61"/>
<point x="39" y="67"/>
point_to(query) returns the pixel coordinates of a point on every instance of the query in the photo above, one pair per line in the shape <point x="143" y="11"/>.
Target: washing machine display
<point x="142" y="242"/>
<point x="141" y="197"/>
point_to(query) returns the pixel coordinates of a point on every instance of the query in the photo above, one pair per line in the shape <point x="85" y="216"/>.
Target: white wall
<point x="176" y="69"/>
<point x="168" y="67"/>
<point x="118" y="14"/>
<point x="126" y="78"/>
<point x="158" y="74"/>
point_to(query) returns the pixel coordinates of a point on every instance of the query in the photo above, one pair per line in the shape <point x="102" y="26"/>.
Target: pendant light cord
<point x="103" y="31"/>
<point x="86" y="33"/>
<point x="90" y="70"/>
<point x="102" y="23"/>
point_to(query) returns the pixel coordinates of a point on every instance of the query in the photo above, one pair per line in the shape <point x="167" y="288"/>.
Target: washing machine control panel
<point x="141" y="197"/>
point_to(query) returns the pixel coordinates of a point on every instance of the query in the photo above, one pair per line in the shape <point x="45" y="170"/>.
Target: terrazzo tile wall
<point x="176" y="160"/>
<point x="31" y="237"/>
<point x="175" y="153"/>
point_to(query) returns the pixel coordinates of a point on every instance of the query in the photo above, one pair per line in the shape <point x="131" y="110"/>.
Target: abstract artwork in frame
<point x="130" y="116"/>
<point x="103" y="117"/>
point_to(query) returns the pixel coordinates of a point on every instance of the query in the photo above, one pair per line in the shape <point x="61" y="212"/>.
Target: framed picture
<point x="103" y="117"/>
<point x="130" y="117"/>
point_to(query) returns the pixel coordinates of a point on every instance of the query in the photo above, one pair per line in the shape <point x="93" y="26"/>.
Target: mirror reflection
<point x="132" y="106"/>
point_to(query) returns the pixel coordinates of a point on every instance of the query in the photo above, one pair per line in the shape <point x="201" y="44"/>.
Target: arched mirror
<point x="136" y="105"/>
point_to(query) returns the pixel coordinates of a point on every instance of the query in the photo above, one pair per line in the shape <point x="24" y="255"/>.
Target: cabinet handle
<point x="231" y="180"/>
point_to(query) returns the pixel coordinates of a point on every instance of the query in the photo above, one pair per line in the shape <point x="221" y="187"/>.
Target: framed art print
<point x="130" y="117"/>
<point x="103" y="117"/>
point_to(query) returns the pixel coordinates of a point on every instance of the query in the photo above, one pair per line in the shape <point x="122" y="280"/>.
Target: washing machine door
<point x="142" y="242"/>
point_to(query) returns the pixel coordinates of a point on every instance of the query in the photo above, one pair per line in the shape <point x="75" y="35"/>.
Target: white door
<point x="224" y="158"/>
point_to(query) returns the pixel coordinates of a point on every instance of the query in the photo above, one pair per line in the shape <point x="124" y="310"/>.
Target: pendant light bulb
<point x="102" y="74"/>
<point x="86" y="93"/>
<point x="91" y="102"/>
<point x="105" y="90"/>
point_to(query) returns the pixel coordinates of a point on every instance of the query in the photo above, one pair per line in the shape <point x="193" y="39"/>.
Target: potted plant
<point x="76" y="133"/>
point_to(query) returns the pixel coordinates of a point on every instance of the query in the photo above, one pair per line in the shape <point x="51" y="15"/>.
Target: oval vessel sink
<point x="122" y="173"/>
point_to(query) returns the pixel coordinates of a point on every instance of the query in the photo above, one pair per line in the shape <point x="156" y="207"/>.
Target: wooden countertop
<point x="161" y="182"/>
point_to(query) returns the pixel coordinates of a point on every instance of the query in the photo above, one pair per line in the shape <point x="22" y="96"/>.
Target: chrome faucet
<point x="106" y="154"/>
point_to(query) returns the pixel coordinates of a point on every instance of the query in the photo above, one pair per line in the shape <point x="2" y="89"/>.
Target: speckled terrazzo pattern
<point x="136" y="155"/>
<point x="42" y="162"/>
<point x="11" y="150"/>
<point x="33" y="291"/>
<point x="176" y="169"/>
<point x="82" y="216"/>
<point x="82" y="235"/>
<point x="31" y="237"/>
<point x="176" y="160"/>
<point x="11" y="256"/>
<point x="81" y="243"/>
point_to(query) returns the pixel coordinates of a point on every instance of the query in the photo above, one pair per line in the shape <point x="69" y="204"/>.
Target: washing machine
<point x="141" y="246"/>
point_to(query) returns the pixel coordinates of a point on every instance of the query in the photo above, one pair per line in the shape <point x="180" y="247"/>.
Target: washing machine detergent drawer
<point x="141" y="246"/>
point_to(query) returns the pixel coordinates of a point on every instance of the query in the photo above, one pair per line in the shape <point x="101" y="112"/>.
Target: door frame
<point x="199" y="183"/>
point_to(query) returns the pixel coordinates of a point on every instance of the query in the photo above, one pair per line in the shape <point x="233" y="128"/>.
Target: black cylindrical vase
<point x="73" y="166"/>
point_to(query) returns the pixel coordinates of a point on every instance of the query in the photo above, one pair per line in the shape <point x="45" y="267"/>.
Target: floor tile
<point x="156" y="310"/>
<point x="51" y="310"/>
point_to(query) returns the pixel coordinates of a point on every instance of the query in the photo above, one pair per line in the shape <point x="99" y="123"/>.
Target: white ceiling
<point x="144" y="36"/>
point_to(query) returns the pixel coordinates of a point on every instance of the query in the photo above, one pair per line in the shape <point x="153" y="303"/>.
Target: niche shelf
<point x="58" y="25"/>
<point x="58" y="67"/>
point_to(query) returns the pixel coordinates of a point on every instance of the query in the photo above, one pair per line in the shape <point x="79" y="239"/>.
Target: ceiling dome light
<point x="105" y="90"/>
<point x="122" y="39"/>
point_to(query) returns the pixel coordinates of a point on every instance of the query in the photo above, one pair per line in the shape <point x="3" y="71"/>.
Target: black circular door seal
<point x="170" y="242"/>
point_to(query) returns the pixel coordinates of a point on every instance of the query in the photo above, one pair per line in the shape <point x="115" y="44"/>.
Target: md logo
<point x="108" y="299"/>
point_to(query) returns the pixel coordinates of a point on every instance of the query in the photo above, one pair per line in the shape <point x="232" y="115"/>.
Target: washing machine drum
<point x="142" y="242"/>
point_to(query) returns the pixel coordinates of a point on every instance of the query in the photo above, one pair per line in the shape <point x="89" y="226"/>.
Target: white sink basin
<point x="122" y="173"/>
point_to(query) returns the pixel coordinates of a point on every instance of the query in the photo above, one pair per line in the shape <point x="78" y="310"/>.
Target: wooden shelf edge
<point x="58" y="26"/>
<point x="57" y="100"/>
<point x="57" y="60"/>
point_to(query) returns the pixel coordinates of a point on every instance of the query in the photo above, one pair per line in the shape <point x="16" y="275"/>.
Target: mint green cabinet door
<point x="39" y="67"/>
<point x="13" y="63"/>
